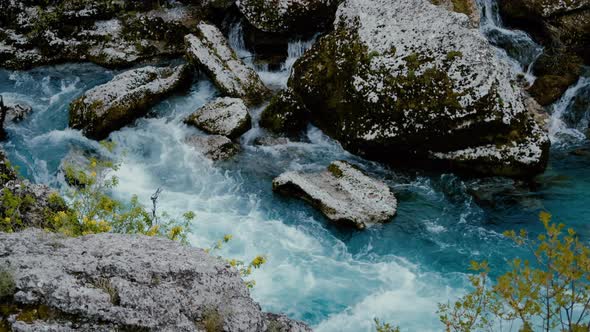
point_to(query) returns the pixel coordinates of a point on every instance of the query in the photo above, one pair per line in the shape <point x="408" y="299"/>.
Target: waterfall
<point x="571" y="114"/>
<point x="519" y="47"/>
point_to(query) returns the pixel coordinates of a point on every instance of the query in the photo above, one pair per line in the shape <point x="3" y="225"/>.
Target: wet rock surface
<point x="343" y="193"/>
<point x="111" y="282"/>
<point x="223" y="116"/>
<point x="128" y="96"/>
<point x="285" y="113"/>
<point x="384" y="90"/>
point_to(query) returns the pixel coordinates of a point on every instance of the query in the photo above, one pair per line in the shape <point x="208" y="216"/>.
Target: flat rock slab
<point x="223" y="116"/>
<point x="109" y="282"/>
<point x="342" y="193"/>
<point x="211" y="51"/>
<point x="128" y="96"/>
<point x="214" y="147"/>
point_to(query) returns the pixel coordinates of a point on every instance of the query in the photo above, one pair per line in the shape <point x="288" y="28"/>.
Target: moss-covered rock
<point x="298" y="16"/>
<point x="386" y="91"/>
<point x="126" y="97"/>
<point x="467" y="7"/>
<point x="286" y="113"/>
<point x="563" y="28"/>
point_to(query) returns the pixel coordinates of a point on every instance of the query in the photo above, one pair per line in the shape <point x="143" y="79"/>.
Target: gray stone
<point x="17" y="112"/>
<point x="342" y="193"/>
<point x="128" y="96"/>
<point x="408" y="80"/>
<point x="111" y="282"/>
<point x="223" y="116"/>
<point x="210" y="50"/>
<point x="214" y="147"/>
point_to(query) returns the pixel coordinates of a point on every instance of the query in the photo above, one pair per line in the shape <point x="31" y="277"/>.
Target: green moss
<point x="452" y="55"/>
<point x="7" y="283"/>
<point x="212" y="320"/>
<point x="335" y="170"/>
<point x="462" y="6"/>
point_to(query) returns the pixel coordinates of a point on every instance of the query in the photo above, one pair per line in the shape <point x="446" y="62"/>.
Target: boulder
<point x="17" y="112"/>
<point x="408" y="81"/>
<point x="285" y="113"/>
<point x="299" y="16"/>
<point x="110" y="282"/>
<point x="128" y="96"/>
<point x="223" y="116"/>
<point x="214" y="147"/>
<point x="210" y="50"/>
<point x="343" y="193"/>
<point x="563" y="28"/>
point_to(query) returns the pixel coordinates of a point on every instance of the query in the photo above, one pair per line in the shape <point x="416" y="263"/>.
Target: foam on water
<point x="569" y="121"/>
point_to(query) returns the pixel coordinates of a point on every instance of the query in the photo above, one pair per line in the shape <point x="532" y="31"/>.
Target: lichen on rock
<point x="223" y="116"/>
<point x="128" y="96"/>
<point x="210" y="50"/>
<point x="214" y="147"/>
<point x="408" y="78"/>
<point x="343" y="193"/>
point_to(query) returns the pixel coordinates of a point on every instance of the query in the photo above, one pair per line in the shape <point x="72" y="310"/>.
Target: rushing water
<point x="335" y="279"/>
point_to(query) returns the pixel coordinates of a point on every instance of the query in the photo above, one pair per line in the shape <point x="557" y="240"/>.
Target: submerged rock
<point x="128" y="96"/>
<point x="223" y="116"/>
<point x="17" y="112"/>
<point x="408" y="80"/>
<point x="563" y="28"/>
<point x="210" y="50"/>
<point x="112" y="282"/>
<point x="214" y="147"/>
<point x="286" y="113"/>
<point x="342" y="193"/>
<point x="298" y="16"/>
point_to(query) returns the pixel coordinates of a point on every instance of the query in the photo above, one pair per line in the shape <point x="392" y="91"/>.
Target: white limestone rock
<point x="128" y="96"/>
<point x="342" y="193"/>
<point x="210" y="50"/>
<point x="214" y="147"/>
<point x="223" y="116"/>
<point x="408" y="79"/>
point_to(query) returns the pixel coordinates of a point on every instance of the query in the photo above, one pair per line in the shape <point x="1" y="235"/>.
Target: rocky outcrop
<point x="563" y="28"/>
<point x="410" y="81"/>
<point x="210" y="50"/>
<point x="110" y="33"/>
<point x="223" y="116"/>
<point x="112" y="282"/>
<point x="214" y="147"/>
<point x="286" y="113"/>
<point x="128" y="96"/>
<point x="298" y="16"/>
<point x="342" y="193"/>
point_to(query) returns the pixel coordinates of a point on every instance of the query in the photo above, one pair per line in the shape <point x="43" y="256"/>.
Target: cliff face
<point x="125" y="282"/>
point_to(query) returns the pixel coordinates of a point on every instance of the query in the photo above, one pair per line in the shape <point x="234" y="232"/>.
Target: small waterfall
<point x="518" y="45"/>
<point x="570" y="115"/>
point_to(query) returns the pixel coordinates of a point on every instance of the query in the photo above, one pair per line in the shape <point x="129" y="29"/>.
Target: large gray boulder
<point x="128" y="96"/>
<point x="298" y="16"/>
<point x="343" y="193"/>
<point x="223" y="116"/>
<point x="17" y="112"/>
<point x="110" y="282"/>
<point x="210" y="50"/>
<point x="214" y="147"/>
<point x="410" y="81"/>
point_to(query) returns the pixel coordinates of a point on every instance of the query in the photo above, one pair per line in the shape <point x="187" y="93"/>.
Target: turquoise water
<point x="333" y="278"/>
